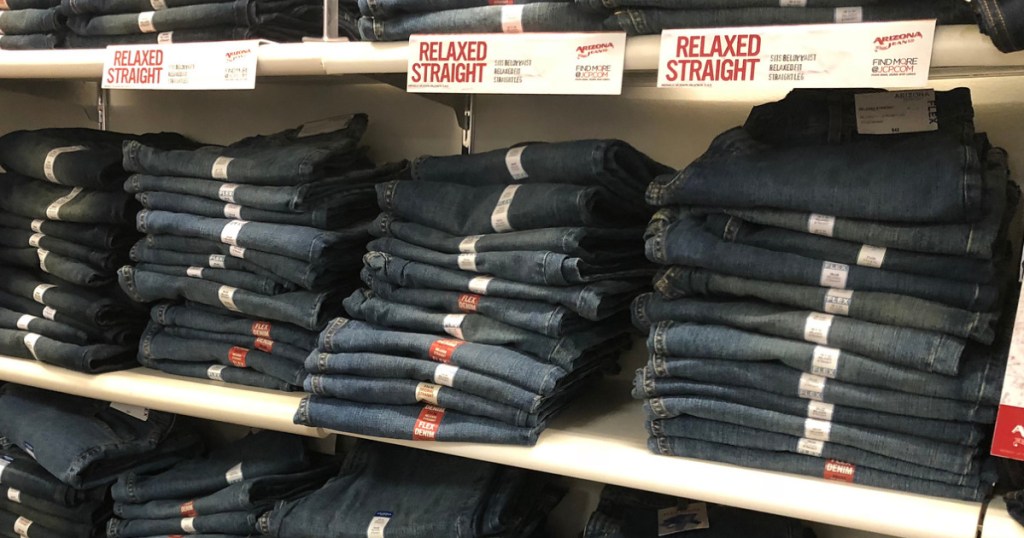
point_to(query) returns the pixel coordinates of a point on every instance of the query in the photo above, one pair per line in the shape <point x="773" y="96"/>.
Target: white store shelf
<point x="999" y="524"/>
<point x="235" y="404"/>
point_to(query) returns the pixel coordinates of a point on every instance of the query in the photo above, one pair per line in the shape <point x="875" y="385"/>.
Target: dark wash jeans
<point x="76" y="7"/>
<point x="96" y="236"/>
<point x="24" y="473"/>
<point x="31" y="21"/>
<point x="202" y="318"/>
<point x="31" y="41"/>
<point x="390" y="8"/>
<point x="254" y="13"/>
<point x="539" y="17"/>
<point x="1003" y="21"/>
<point x="40" y="200"/>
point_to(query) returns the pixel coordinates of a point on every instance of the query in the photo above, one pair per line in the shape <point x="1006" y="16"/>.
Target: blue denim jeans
<point x="53" y="523"/>
<point x="62" y="267"/>
<point x="31" y="4"/>
<point x="86" y="358"/>
<point x="539" y="17"/>
<point x="329" y="218"/>
<point x="679" y="238"/>
<point x="284" y="158"/>
<point x="31" y="41"/>
<point x="947" y="189"/>
<point x="98" y="259"/>
<point x="39" y="200"/>
<point x="121" y="333"/>
<point x="23" y="473"/>
<point x="203" y="317"/>
<point x="95" y="236"/>
<point x="42" y="529"/>
<point x="78" y="7"/>
<point x="11" y="319"/>
<point x="608" y="6"/>
<point x="240" y="13"/>
<point x="239" y="279"/>
<point x="883" y="308"/>
<point x="218" y="372"/>
<point x="38" y="508"/>
<point x="390" y="8"/>
<point x="266" y="345"/>
<point x="230" y="523"/>
<point x="31" y="21"/>
<point x="96" y="307"/>
<point x="646" y="385"/>
<point x="1003" y="21"/>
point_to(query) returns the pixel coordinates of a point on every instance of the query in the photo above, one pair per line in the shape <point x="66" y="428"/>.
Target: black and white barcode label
<point x="514" y="162"/>
<point x="453" y="325"/>
<point x="53" y="210"/>
<point x="51" y="159"/>
<point x="220" y="167"/>
<point x="468" y="244"/>
<point x="377" y="524"/>
<point x="444" y="374"/>
<point x="499" y="217"/>
<point x="226" y="192"/>
<point x="811" y="386"/>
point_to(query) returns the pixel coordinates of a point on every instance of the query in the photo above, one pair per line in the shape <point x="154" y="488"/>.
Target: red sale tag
<point x="237" y="355"/>
<point x="188" y="509"/>
<point x="839" y="470"/>
<point x="261" y="329"/>
<point x="443" y="349"/>
<point x="468" y="302"/>
<point x="428" y="423"/>
<point x="265" y="345"/>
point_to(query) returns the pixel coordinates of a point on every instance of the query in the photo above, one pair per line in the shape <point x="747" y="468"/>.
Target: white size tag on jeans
<point x="133" y="411"/>
<point x="817" y="429"/>
<point x="43" y="254"/>
<point x="165" y="38"/>
<point x="825" y="362"/>
<point x="214" y="371"/>
<point x="229" y="235"/>
<point x="817" y="327"/>
<point x="194" y="272"/>
<point x="377" y="524"/>
<point x="30" y="340"/>
<point x="188" y="525"/>
<point x="453" y="325"/>
<point x="33" y="240"/>
<point x="811" y="386"/>
<point x="821" y="224"/>
<point x="427" y="393"/>
<point x="14" y="495"/>
<point x="792" y="3"/>
<point x="21" y="526"/>
<point x="24" y="320"/>
<point x="146" y="22"/>
<point x="53" y="210"/>
<point x="882" y="113"/>
<point x="444" y="374"/>
<point x="232" y="211"/>
<point x="37" y="225"/>
<point x="226" y="294"/>
<point x="838" y="302"/>
<point x="49" y="313"/>
<point x="833" y="275"/>
<point x="40" y="292"/>
<point x="3" y="464"/>
<point x="234" y="474"/>
<point x="51" y="158"/>
<point x="216" y="261"/>
<point x="820" y="410"/>
<point x="810" y="447"/>
<point x="219" y="170"/>
<point x="870" y="256"/>
<point x="158" y="4"/>
<point x="499" y="217"/>
<point x="468" y="245"/>
<point x="849" y="14"/>
<point x="479" y="284"/>
<point x="514" y="162"/>
<point x="512" y="19"/>
<point x="467" y="262"/>
<point x="237" y="252"/>
<point x="226" y="192"/>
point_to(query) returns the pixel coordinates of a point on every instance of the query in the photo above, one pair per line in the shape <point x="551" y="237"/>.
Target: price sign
<point x="222" y="65"/>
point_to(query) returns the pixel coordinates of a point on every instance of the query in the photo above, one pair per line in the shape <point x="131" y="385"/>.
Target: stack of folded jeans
<point x="387" y="490"/>
<point x="396" y="20"/>
<point x="222" y="494"/>
<point x="832" y="299"/>
<point x="99" y="23"/>
<point x="65" y="224"/>
<point x="31" y="24"/>
<point x="641" y="17"/>
<point x="513" y="269"/>
<point x="630" y="513"/>
<point x="1003" y="22"/>
<point x="59" y="454"/>
<point x="269" y="229"/>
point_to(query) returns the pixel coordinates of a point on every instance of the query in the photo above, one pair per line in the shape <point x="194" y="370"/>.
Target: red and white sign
<point x="883" y="54"/>
<point x="222" y="65"/>
<point x="535" y="63"/>
<point x="1008" y="439"/>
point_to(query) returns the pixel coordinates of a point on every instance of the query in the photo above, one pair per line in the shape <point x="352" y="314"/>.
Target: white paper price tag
<point x="21" y="526"/>
<point x="479" y="284"/>
<point x="51" y="159"/>
<point x="810" y="447"/>
<point x="516" y="63"/>
<point x="214" y="372"/>
<point x="220" y="65"/>
<point x="53" y="210"/>
<point x="453" y="325"/>
<point x="226" y="193"/>
<point x="24" y="320"/>
<point x="468" y="245"/>
<point x="14" y="495"/>
<point x="820" y="410"/>
<point x="870" y="256"/>
<point x="884" y="113"/>
<point x="427" y="393"/>
<point x="499" y="216"/>
<point x="887" y="54"/>
<point x="133" y="411"/>
<point x="226" y="294"/>
<point x="817" y="327"/>
<point x="30" y="340"/>
<point x="40" y="292"/>
<point x="811" y="386"/>
<point x="234" y="474"/>
<point x="825" y="361"/>
<point x="377" y="524"/>
<point x="838" y="302"/>
<point x="819" y="430"/>
<point x="834" y="275"/>
<point x="821" y="224"/>
<point x="49" y="313"/>
<point x="229" y="234"/>
<point x="3" y="465"/>
<point x="514" y="163"/>
<point x="444" y="374"/>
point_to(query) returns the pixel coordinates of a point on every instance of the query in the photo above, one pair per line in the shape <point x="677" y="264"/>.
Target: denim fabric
<point x="38" y="200"/>
<point x="781" y="379"/>
<point x="62" y="267"/>
<point x="156" y="344"/>
<point x="94" y="307"/>
<point x="72" y="7"/>
<point x="218" y="372"/>
<point x="594" y="301"/>
<point x="62" y="526"/>
<point x="979" y="380"/>
<point x="325" y="218"/>
<point x="248" y="495"/>
<point x="31" y="4"/>
<point x="31" y="41"/>
<point x="1003" y="21"/>
<point x="105" y="441"/>
<point x="87" y="358"/>
<point x="680" y="239"/>
<point x="348" y="336"/>
<point x="607" y="6"/>
<point x="539" y="17"/>
<point x="284" y="158"/>
<point x="810" y="466"/>
<point x="192" y="35"/>
<point x="647" y="385"/>
<point x="884" y="308"/>
<point x="730" y="434"/>
<point x="564" y="352"/>
<point x="957" y="268"/>
<point x="525" y="266"/>
<point x="103" y="260"/>
<point x="231" y="523"/>
<point x="540" y="317"/>
<point x="9" y="520"/>
<point x="467" y="210"/>
<point x="199" y="16"/>
<point x="299" y="242"/>
<point x="203" y="318"/>
<point x="260" y="454"/>
<point x="239" y="279"/>
<point x="923" y="350"/>
<point x="96" y="236"/>
<point x="465" y="379"/>
<point x="612" y="164"/>
<point x="305" y="309"/>
<point x="10" y="319"/>
<point x="945" y="184"/>
<point x="122" y="333"/>
<point x="276" y="349"/>
<point x="31" y="21"/>
<point x="345" y="190"/>
<point x="88" y="511"/>
<point x="23" y="473"/>
<point x="653" y="21"/>
<point x="74" y="156"/>
<point x="391" y="8"/>
<point x="593" y="245"/>
<point x="404" y="422"/>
